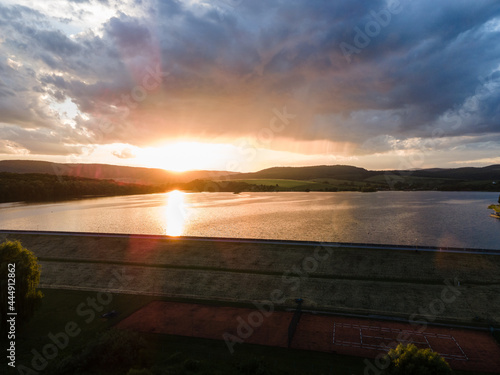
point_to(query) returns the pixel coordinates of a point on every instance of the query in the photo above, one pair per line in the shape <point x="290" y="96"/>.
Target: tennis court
<point x="463" y="349"/>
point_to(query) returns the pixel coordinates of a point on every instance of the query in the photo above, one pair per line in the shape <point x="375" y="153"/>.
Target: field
<point x="287" y="185"/>
<point x="280" y="183"/>
<point x="322" y="184"/>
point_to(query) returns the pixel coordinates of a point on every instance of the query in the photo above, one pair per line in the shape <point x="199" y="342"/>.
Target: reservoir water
<point x="458" y="219"/>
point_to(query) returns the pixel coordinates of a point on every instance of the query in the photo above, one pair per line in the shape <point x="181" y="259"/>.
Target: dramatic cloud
<point x="356" y="78"/>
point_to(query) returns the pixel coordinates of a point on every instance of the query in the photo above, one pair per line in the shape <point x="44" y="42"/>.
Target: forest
<point x="36" y="187"/>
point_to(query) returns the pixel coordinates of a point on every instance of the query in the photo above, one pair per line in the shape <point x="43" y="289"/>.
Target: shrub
<point x="409" y="360"/>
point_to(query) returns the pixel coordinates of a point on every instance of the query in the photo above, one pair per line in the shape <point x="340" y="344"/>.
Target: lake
<point x="458" y="219"/>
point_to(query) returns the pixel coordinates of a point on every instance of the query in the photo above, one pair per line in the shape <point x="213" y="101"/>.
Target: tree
<point x="409" y="360"/>
<point x="22" y="297"/>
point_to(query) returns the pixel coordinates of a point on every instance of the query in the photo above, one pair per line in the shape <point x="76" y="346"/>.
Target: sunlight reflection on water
<point x="458" y="219"/>
<point x="175" y="213"/>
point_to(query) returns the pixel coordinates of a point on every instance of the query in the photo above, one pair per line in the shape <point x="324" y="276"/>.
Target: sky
<point x="243" y="85"/>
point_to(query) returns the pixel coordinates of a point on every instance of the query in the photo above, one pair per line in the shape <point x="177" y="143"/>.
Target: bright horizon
<point x="243" y="86"/>
<point x="252" y="171"/>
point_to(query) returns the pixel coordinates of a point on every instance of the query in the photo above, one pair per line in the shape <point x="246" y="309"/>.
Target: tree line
<point x="33" y="187"/>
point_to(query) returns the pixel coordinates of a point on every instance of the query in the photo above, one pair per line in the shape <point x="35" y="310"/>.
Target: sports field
<point x="463" y="349"/>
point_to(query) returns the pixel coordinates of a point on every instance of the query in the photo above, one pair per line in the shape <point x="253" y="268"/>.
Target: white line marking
<point x="414" y="335"/>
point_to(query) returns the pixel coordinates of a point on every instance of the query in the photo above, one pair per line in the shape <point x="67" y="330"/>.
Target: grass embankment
<point x="384" y="282"/>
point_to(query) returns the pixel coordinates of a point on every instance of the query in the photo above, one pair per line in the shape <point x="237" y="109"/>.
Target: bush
<point x="409" y="360"/>
<point x="119" y="348"/>
<point x="113" y="349"/>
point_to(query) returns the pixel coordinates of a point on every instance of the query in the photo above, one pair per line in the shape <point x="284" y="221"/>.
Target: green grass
<point x="323" y="184"/>
<point x="408" y="178"/>
<point x="60" y="307"/>
<point x="214" y="356"/>
<point x="336" y="182"/>
<point x="378" y="182"/>
<point x="289" y="184"/>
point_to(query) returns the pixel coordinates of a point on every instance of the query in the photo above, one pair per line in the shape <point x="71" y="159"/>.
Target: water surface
<point x="410" y="218"/>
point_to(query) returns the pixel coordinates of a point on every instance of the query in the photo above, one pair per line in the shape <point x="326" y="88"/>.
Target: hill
<point x="136" y="175"/>
<point x="350" y="173"/>
<point x="340" y="172"/>
<point x="491" y="172"/>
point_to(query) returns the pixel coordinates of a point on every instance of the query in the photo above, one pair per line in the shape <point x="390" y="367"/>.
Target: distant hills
<point x="136" y="175"/>
<point x="311" y="178"/>
<point x="346" y="172"/>
<point x="491" y="172"/>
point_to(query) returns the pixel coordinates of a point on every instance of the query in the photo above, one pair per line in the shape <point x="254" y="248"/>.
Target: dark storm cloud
<point x="230" y="63"/>
<point x="56" y="42"/>
<point x="128" y="33"/>
<point x="425" y="61"/>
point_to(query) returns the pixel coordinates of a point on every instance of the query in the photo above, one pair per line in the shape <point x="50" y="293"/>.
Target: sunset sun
<point x="185" y="156"/>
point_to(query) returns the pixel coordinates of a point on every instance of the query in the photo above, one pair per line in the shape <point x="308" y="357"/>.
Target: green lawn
<point x="378" y="182"/>
<point x="300" y="185"/>
<point x="281" y="183"/>
<point x="408" y="178"/>
<point x="59" y="307"/>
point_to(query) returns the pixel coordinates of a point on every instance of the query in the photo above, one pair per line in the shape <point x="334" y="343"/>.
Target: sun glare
<point x="175" y="213"/>
<point x="185" y="156"/>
